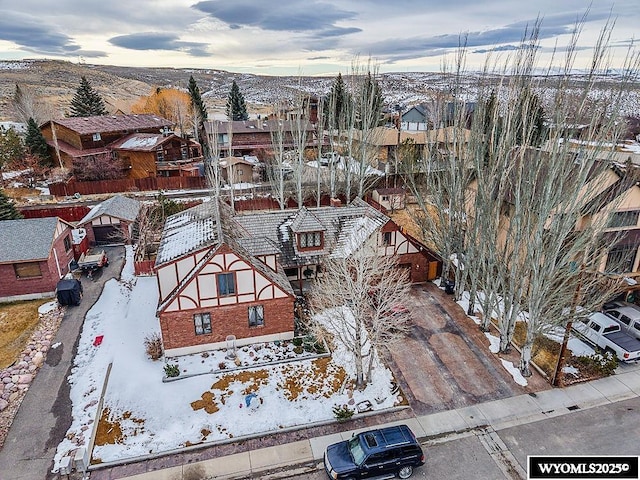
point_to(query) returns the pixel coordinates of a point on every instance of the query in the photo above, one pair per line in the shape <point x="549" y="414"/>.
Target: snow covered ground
<point x="142" y="415"/>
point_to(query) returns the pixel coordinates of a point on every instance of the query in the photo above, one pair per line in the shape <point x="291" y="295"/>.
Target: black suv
<point x="382" y="453"/>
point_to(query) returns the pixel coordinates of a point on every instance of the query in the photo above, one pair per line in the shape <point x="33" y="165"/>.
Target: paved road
<point x="45" y="414"/>
<point x="493" y="455"/>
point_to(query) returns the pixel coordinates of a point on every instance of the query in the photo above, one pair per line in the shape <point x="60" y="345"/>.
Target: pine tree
<point x="11" y="147"/>
<point x="338" y="98"/>
<point x="8" y="210"/>
<point x="236" y="106"/>
<point x="196" y="100"/>
<point x="36" y="143"/>
<point x="370" y="104"/>
<point x="87" y="102"/>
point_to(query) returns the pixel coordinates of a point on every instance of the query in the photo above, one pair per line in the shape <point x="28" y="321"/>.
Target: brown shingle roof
<point x="113" y="123"/>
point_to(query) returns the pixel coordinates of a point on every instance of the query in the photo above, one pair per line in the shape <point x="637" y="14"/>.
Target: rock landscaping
<point x="15" y="379"/>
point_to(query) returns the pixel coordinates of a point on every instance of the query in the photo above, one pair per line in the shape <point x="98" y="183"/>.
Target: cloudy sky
<point x="298" y="36"/>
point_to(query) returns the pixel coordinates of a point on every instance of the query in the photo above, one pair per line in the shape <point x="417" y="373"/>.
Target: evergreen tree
<point x="8" y="210"/>
<point x="11" y="147"/>
<point x="87" y="102"/>
<point x="339" y="97"/>
<point x="36" y="143"/>
<point x="370" y="104"/>
<point x="236" y="106"/>
<point x="196" y="100"/>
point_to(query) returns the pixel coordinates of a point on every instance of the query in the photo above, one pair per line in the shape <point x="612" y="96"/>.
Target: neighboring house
<point x="390" y="199"/>
<point x="155" y="154"/>
<point x="250" y="137"/>
<point x="416" y="118"/>
<point x="221" y="274"/>
<point x="143" y="142"/>
<point x="240" y="169"/>
<point x="35" y="254"/>
<point x="111" y="221"/>
<point x="19" y="128"/>
<point x="382" y="144"/>
<point x="211" y="287"/>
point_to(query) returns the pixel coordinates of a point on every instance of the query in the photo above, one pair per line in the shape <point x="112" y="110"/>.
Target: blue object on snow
<point x="248" y="398"/>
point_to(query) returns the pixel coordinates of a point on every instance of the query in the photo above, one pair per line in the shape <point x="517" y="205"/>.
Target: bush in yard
<point x="153" y="346"/>
<point x="342" y="412"/>
<point x="604" y="363"/>
<point x="171" y="370"/>
<point x="297" y="342"/>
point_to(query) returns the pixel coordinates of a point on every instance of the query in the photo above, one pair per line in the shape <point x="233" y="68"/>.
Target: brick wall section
<point x="178" y="330"/>
<point x="11" y="286"/>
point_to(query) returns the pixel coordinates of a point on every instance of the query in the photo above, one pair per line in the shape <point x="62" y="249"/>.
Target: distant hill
<point x="56" y="82"/>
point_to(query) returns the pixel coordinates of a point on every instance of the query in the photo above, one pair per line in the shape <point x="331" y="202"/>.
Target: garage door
<point x="106" y="234"/>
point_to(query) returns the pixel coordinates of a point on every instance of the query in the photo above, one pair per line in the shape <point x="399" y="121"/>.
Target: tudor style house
<point x="211" y="287"/>
<point x="35" y="254"/>
<point x="144" y="144"/>
<point x="221" y="274"/>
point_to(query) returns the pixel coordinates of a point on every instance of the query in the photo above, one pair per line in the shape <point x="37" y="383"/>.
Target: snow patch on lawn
<point x="515" y="372"/>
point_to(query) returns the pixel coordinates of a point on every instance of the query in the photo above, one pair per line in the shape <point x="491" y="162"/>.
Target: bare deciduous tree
<point x="357" y="294"/>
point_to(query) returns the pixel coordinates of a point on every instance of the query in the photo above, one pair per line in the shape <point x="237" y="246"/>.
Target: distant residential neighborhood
<point x="375" y="244"/>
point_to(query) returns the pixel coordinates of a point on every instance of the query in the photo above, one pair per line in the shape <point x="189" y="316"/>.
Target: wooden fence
<point x="71" y="187"/>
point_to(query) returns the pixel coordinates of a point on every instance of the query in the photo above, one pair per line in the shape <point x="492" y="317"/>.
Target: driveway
<point x="45" y="413"/>
<point x="445" y="361"/>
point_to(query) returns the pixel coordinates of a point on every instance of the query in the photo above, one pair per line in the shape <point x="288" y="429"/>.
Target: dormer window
<point x="310" y="239"/>
<point x="97" y="137"/>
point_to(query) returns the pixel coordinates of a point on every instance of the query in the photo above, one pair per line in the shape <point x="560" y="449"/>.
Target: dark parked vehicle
<point x="382" y="453"/>
<point x="69" y="291"/>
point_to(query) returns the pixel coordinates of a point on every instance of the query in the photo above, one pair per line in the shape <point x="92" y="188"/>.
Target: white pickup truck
<point x="604" y="332"/>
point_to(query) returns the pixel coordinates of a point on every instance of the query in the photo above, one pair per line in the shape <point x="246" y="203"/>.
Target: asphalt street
<point x="45" y="414"/>
<point x="611" y="429"/>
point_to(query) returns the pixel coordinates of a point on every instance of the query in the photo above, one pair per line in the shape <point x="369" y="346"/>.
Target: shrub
<point x="222" y="365"/>
<point x="297" y="342"/>
<point x="171" y="370"/>
<point x="298" y="350"/>
<point x="153" y="346"/>
<point x="602" y="363"/>
<point x="342" y="412"/>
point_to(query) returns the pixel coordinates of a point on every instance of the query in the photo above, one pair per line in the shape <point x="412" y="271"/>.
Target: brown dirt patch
<point x="207" y="402"/>
<point x="325" y="378"/>
<point x="110" y="428"/>
<point x="18" y="320"/>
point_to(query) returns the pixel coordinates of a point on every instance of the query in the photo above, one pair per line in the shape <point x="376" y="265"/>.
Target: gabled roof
<point x="305" y="221"/>
<point x="188" y="231"/>
<point x="124" y="208"/>
<point x="341" y="227"/>
<point x="27" y="239"/>
<point x="140" y="142"/>
<point x="113" y="123"/>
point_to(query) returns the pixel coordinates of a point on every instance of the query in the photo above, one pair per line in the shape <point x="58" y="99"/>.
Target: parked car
<point x="381" y="453"/>
<point x="604" y="332"/>
<point x="627" y="315"/>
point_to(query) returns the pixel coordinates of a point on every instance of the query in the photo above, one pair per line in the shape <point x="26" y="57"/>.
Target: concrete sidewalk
<point x="304" y="455"/>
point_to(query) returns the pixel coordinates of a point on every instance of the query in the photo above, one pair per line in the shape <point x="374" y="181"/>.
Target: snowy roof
<point x="188" y="231"/>
<point x="27" y="239"/>
<point x="305" y="221"/>
<point x="124" y="208"/>
<point x="337" y="223"/>
<point x="113" y="123"/>
<point x="140" y="141"/>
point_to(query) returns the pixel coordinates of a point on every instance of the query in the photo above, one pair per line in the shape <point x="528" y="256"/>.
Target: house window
<point x="184" y="151"/>
<point x="27" y="270"/>
<point x="96" y="137"/>
<point x="256" y="316"/>
<point x="621" y="259"/>
<point x="202" y="323"/>
<point x="226" y="284"/>
<point x="387" y="238"/>
<point x="291" y="272"/>
<point x="67" y="243"/>
<point x="624" y="219"/>
<point x="160" y="154"/>
<point x="223" y="138"/>
<point x="309" y="239"/>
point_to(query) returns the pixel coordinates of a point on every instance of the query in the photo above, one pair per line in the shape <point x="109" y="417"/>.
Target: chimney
<point x="336" y="202"/>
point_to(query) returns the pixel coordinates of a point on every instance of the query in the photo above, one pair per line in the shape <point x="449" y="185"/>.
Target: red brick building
<point x="35" y="254"/>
